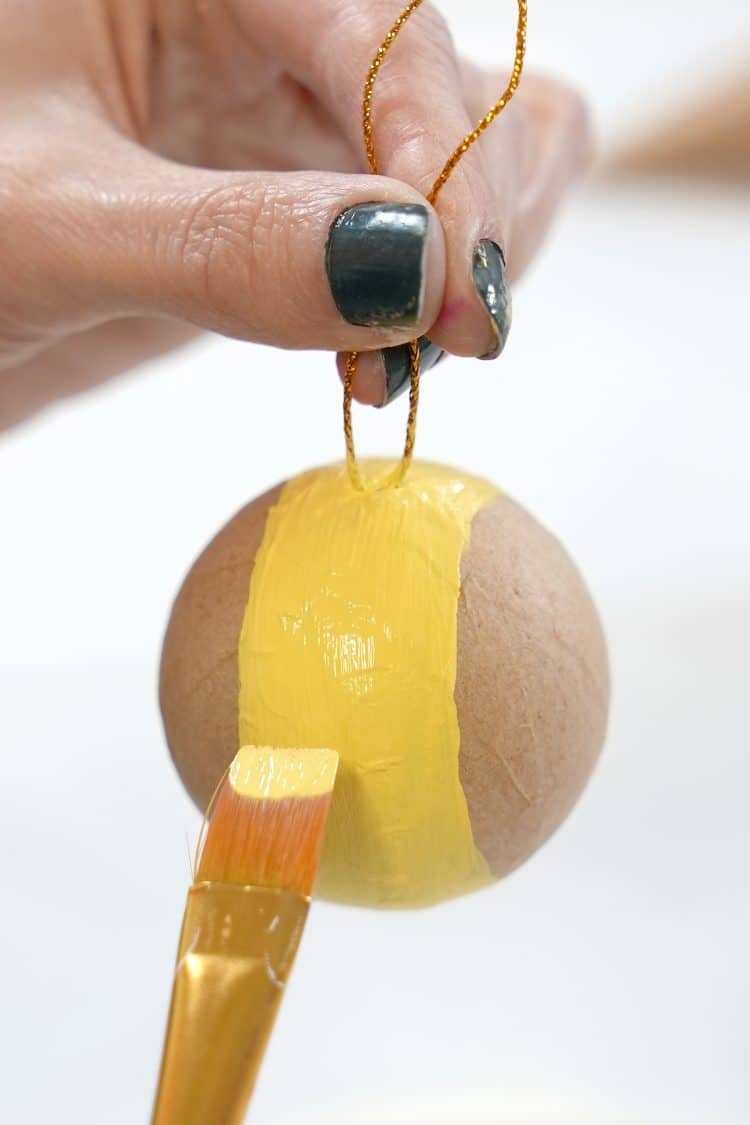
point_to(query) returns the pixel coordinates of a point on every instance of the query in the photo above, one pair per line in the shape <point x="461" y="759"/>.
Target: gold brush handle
<point x="237" y="948"/>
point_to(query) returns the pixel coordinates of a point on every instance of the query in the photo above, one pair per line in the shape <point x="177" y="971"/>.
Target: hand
<point x="171" y="165"/>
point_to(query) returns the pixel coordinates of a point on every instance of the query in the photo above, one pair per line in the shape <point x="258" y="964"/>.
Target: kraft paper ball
<point x="530" y="693"/>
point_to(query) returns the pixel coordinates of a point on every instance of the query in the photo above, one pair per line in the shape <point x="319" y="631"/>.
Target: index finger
<point x="419" y="117"/>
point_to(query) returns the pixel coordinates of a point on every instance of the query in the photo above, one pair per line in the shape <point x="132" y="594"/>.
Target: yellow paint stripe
<point x="349" y="641"/>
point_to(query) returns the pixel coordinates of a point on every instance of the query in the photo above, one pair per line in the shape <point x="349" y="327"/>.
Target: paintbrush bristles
<point x="268" y="819"/>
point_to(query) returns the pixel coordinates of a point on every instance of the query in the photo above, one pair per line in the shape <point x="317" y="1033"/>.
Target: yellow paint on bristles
<point x="349" y="641"/>
<point x="243" y="920"/>
<point x="266" y="822"/>
<point x="268" y="772"/>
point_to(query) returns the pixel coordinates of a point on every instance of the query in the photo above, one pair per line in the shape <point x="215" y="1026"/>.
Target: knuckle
<point x="219" y="241"/>
<point x="556" y="98"/>
<point x="349" y="26"/>
<point x="436" y="32"/>
<point x="415" y="91"/>
<point x="354" y="33"/>
<point x="236" y="250"/>
<point x="560" y="106"/>
<point x="578" y="115"/>
<point x="31" y="256"/>
<point x="207" y="239"/>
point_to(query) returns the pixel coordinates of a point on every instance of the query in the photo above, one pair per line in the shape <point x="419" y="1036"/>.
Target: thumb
<point x="298" y="260"/>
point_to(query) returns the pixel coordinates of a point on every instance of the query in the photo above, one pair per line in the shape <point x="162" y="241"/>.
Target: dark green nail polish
<point x="397" y="362"/>
<point x="375" y="263"/>
<point x="492" y="287"/>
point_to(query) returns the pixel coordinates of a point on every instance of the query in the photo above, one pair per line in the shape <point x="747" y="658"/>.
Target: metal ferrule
<point x="236" y="950"/>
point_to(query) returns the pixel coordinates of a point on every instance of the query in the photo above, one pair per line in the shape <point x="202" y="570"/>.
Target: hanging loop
<point x="401" y="469"/>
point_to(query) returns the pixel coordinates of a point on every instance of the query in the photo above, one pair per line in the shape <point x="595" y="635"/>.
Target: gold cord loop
<point x="401" y="469"/>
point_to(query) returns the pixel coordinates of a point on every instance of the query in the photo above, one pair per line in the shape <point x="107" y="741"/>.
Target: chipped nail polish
<point x="491" y="283"/>
<point x="375" y="261"/>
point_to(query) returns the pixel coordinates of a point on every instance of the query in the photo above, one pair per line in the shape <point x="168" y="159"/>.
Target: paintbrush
<point x="255" y="869"/>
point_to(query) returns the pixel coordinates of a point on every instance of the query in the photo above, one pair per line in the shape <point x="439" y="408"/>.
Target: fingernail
<point x="492" y="287"/>
<point x="375" y="257"/>
<point x="397" y="363"/>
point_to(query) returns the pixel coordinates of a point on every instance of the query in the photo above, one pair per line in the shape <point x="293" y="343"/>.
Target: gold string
<point x="401" y="469"/>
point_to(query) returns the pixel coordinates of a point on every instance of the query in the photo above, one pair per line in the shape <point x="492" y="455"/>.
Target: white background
<point x="608" y="979"/>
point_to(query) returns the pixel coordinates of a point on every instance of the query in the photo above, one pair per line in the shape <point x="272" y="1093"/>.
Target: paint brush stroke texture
<point x="349" y="641"/>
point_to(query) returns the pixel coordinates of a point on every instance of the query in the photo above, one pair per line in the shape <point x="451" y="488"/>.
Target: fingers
<point x="544" y="134"/>
<point x="558" y="150"/>
<point x="295" y="260"/>
<point x="419" y="116"/>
